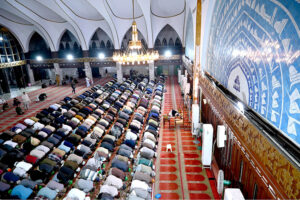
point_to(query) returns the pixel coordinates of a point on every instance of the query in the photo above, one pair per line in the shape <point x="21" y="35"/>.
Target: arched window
<point x="102" y="44"/>
<point x="171" y="42"/>
<point x="177" y="42"/>
<point x="61" y="46"/>
<point x="157" y="43"/>
<point x="108" y="44"/>
<point x="68" y="46"/>
<point x="75" y="46"/>
<point x="164" y="42"/>
<point x="94" y="46"/>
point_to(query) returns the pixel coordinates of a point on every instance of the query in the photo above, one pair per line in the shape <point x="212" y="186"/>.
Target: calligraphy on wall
<point x="275" y="165"/>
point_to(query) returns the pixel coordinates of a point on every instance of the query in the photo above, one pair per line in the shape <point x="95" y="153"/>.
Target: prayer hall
<point x="149" y="99"/>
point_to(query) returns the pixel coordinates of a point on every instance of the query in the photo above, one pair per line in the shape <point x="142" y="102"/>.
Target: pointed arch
<point x="37" y="42"/>
<point x="94" y="45"/>
<point x="102" y="44"/>
<point x="38" y="46"/>
<point x="61" y="46"/>
<point x="66" y="31"/>
<point x="127" y="37"/>
<point x="164" y="42"/>
<point x="99" y="33"/>
<point x="171" y="42"/>
<point x="178" y="42"/>
<point x="75" y="46"/>
<point x="167" y="32"/>
<point x="108" y="44"/>
<point x="157" y="43"/>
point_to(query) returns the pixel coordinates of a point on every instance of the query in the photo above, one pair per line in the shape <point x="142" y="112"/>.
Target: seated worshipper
<point x="4" y="104"/>
<point x="19" y="110"/>
<point x="174" y="113"/>
<point x="41" y="97"/>
<point x="16" y="102"/>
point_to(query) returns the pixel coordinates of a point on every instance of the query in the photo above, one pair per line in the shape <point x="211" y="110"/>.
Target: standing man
<point x="26" y="100"/>
<point x="87" y="80"/>
<point x="73" y="85"/>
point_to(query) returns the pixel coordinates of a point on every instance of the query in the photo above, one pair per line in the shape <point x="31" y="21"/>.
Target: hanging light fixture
<point x="135" y="52"/>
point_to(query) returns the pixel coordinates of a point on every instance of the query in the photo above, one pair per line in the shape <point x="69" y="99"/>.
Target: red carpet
<point x="167" y="155"/>
<point x="168" y="169"/>
<point x="199" y="196"/>
<point x="169" y="195"/>
<point x="179" y="174"/>
<point x="193" y="169"/>
<point x="167" y="177"/>
<point x="167" y="162"/>
<point x="191" y="155"/>
<point x="194" y="177"/>
<point x="168" y="186"/>
<point x="192" y="162"/>
<point x="197" y="186"/>
<point x="9" y="118"/>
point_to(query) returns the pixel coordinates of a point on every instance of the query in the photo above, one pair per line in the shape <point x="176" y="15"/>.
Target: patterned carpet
<point x="9" y="118"/>
<point x="179" y="174"/>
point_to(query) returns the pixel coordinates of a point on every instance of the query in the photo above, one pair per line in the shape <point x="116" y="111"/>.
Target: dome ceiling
<point x="41" y="10"/>
<point x="117" y="8"/>
<point x="158" y="8"/>
<point x="83" y="9"/>
<point x="50" y="18"/>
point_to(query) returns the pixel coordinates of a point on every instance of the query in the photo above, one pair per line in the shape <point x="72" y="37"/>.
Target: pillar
<point x="58" y="73"/>
<point x="30" y="74"/>
<point x="88" y="71"/>
<point x="102" y="72"/>
<point x="119" y="72"/>
<point x="196" y="110"/>
<point x="151" y="71"/>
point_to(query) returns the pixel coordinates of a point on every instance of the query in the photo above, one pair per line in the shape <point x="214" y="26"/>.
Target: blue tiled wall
<point x="254" y="50"/>
<point x="189" y="39"/>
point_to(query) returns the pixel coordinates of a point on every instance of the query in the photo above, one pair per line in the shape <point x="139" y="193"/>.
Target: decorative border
<point x="12" y="64"/>
<point x="283" y="175"/>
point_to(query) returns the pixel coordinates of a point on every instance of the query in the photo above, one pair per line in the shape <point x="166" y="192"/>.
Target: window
<point x="241" y="171"/>
<point x="255" y="191"/>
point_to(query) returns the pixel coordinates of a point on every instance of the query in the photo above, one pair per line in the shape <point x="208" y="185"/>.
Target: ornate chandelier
<point x="135" y="51"/>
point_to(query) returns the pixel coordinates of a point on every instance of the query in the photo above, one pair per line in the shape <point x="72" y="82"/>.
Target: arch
<point x="94" y="45"/>
<point x="61" y="46"/>
<point x="167" y="32"/>
<point x="68" y="47"/>
<point x="17" y="38"/>
<point x="99" y="33"/>
<point x="171" y="42"/>
<point x="108" y="44"/>
<point x="75" y="46"/>
<point x="66" y="31"/>
<point x="127" y="37"/>
<point x="102" y="44"/>
<point x="164" y="42"/>
<point x="37" y="42"/>
<point x="157" y="43"/>
<point x="178" y="42"/>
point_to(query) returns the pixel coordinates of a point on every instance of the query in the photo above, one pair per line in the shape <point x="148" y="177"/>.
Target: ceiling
<point x="51" y="18"/>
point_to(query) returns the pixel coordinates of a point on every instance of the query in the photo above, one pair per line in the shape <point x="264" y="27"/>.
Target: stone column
<point x="88" y="71"/>
<point x="87" y="66"/>
<point x="151" y="71"/>
<point x="57" y="69"/>
<point x="119" y="72"/>
<point x="102" y="72"/>
<point x="30" y="74"/>
<point x="58" y="73"/>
